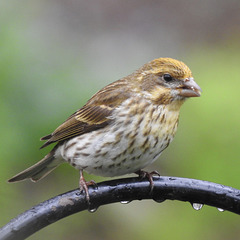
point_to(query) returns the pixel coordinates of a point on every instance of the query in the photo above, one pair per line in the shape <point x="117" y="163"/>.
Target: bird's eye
<point x="167" y="77"/>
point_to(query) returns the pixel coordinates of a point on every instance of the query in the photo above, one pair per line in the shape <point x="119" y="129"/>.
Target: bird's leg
<point x="83" y="185"/>
<point x="143" y="174"/>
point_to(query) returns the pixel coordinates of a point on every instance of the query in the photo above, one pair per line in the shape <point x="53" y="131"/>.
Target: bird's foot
<point x="83" y="186"/>
<point x="143" y="174"/>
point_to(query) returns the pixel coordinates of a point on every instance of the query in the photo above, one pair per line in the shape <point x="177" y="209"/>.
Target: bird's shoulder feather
<point x="95" y="114"/>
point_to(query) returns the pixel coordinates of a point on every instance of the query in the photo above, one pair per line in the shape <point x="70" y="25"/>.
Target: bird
<point x="122" y="128"/>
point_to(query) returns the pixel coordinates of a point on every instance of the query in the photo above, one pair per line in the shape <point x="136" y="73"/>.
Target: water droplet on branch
<point x="197" y="206"/>
<point x="92" y="210"/>
<point x="125" y="202"/>
<point x="160" y="200"/>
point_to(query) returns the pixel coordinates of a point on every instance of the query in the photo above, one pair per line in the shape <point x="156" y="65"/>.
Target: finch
<point x="123" y="127"/>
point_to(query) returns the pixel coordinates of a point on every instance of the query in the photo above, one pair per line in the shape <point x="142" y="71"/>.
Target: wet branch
<point x="127" y="189"/>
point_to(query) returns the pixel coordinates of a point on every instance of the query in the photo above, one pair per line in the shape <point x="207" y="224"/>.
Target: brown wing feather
<point x="85" y="120"/>
<point x="92" y="116"/>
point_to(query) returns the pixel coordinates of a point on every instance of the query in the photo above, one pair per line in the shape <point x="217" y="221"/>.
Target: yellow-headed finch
<point x="124" y="127"/>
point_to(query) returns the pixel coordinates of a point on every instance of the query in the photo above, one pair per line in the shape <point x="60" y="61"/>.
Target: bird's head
<point x="166" y="81"/>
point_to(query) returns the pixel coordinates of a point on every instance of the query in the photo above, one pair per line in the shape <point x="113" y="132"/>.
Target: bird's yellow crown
<point x="177" y="69"/>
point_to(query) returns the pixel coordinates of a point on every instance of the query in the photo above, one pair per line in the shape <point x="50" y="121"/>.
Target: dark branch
<point x="127" y="189"/>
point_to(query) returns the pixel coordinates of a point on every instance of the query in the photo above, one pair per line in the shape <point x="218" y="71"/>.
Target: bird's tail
<point x="38" y="170"/>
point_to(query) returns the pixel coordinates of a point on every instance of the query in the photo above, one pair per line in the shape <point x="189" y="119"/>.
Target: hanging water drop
<point x="125" y="202"/>
<point x="92" y="210"/>
<point x="159" y="200"/>
<point x="197" y="206"/>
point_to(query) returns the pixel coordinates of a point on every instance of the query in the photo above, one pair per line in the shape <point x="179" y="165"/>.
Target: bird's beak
<point x="190" y="88"/>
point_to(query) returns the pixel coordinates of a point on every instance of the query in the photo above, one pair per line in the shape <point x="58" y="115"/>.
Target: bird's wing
<point x="92" y="116"/>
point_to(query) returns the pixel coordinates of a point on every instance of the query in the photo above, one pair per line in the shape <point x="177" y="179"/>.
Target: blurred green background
<point x="55" y="54"/>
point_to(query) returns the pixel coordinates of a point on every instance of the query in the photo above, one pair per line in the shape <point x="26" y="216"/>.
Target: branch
<point x="121" y="190"/>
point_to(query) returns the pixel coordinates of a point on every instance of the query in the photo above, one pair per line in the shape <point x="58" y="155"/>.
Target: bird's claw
<point x="143" y="174"/>
<point x="83" y="186"/>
